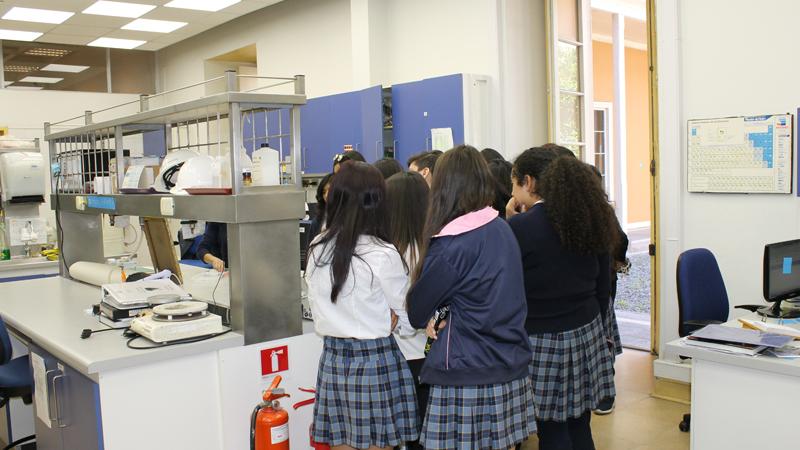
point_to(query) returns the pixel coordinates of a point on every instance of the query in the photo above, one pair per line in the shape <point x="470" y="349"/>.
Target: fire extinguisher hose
<point x="253" y="419"/>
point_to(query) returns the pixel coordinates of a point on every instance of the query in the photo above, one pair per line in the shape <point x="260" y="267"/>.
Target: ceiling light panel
<point x="116" y="43"/>
<point x="14" y="35"/>
<point x="37" y="15"/>
<point x="41" y="51"/>
<point x="44" y="80"/>
<point x="202" y="5"/>
<point x="155" y="26"/>
<point x="20" y="68"/>
<point x="64" y="68"/>
<point x="25" y="88"/>
<point x="119" y="9"/>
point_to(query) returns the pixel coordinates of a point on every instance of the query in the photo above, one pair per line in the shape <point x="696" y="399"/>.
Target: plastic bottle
<point x="266" y="167"/>
<point x="5" y="252"/>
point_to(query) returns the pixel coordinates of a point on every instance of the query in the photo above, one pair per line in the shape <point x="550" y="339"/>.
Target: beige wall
<point x="638" y="127"/>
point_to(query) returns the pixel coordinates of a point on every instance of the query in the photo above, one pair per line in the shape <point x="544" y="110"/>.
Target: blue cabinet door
<point x="317" y="153"/>
<point x="345" y="120"/>
<point x="372" y="123"/>
<point x="419" y="106"/>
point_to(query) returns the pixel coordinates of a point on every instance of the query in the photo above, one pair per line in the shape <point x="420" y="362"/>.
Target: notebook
<point x="721" y="334"/>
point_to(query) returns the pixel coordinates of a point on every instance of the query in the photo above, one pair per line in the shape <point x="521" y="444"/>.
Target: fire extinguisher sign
<point x="274" y="360"/>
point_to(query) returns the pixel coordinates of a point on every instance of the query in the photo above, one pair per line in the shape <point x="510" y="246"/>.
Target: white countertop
<point x="783" y="366"/>
<point x="37" y="262"/>
<point x="51" y="313"/>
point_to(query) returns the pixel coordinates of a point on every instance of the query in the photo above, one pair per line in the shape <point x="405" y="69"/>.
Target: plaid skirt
<point x="612" y="331"/>
<point x="365" y="395"/>
<point x="571" y="371"/>
<point x="496" y="416"/>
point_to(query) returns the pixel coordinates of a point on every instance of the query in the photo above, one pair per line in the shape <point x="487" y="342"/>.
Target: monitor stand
<point x="776" y="312"/>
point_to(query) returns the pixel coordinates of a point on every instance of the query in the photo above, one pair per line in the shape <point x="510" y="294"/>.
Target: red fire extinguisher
<point x="269" y="423"/>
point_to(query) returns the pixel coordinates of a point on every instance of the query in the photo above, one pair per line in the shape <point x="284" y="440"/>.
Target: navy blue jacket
<point x="215" y="241"/>
<point x="479" y="275"/>
<point x="564" y="290"/>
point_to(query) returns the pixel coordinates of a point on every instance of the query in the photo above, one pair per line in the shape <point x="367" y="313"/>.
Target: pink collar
<point x="469" y="222"/>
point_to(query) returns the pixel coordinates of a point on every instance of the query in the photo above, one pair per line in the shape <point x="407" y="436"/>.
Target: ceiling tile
<point x="26" y="26"/>
<point x="131" y="34"/>
<point x="65" y="39"/>
<point x="75" y="30"/>
<point x="151" y="46"/>
<point x="97" y="21"/>
<point x="182" y="15"/>
<point x="243" y="8"/>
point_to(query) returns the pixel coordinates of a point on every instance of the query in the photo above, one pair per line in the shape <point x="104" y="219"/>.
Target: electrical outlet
<point x="80" y="203"/>
<point x="168" y="206"/>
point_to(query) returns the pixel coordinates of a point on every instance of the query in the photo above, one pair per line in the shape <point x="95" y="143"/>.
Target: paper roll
<point x="95" y="273"/>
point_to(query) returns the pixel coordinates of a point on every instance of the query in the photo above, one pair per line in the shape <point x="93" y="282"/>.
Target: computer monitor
<point x="781" y="277"/>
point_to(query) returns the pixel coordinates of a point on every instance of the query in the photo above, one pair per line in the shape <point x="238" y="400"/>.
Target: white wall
<point x="292" y="37"/>
<point x="343" y="45"/>
<point x="721" y="58"/>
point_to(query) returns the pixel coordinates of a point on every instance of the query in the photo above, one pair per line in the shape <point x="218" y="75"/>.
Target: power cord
<point x="225" y="320"/>
<point x="170" y="343"/>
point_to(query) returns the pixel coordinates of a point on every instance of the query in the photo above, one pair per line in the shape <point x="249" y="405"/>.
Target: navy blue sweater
<point x="479" y="275"/>
<point x="215" y="241"/>
<point x="564" y="290"/>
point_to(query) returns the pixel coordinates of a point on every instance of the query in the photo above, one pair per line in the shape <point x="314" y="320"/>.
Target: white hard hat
<point x="198" y="172"/>
<point x="170" y="167"/>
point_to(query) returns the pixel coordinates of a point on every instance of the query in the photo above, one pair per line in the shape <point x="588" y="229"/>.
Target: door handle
<point x="57" y="402"/>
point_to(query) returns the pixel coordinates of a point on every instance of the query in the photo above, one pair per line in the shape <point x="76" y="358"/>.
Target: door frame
<point x="616" y="183"/>
<point x="655" y="247"/>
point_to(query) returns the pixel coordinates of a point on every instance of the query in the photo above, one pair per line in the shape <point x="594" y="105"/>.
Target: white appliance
<point x="21" y="175"/>
<point x="178" y="321"/>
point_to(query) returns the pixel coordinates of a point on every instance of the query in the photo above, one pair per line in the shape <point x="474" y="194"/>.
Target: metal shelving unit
<point x="263" y="238"/>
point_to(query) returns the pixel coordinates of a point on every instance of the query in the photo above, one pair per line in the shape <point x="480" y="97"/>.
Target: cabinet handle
<point x="50" y="392"/>
<point x="377" y="150"/>
<point x="394" y="146"/>
<point x="304" y="157"/>
<point x="427" y="143"/>
<point x="57" y="402"/>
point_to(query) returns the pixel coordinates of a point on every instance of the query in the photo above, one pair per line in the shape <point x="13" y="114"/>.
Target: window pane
<point x="568" y="67"/>
<point x="599" y="120"/>
<point x="570" y="117"/>
<point x="567" y="13"/>
<point x="600" y="162"/>
<point x="77" y="68"/>
<point x="577" y="149"/>
<point x="599" y="142"/>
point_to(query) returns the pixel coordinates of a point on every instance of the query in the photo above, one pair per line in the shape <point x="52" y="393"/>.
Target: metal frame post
<point x="235" y="130"/>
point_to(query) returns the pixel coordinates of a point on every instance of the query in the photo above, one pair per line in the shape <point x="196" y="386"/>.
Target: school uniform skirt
<point x="365" y="394"/>
<point x="612" y="331"/>
<point x="571" y="371"/>
<point x="495" y="416"/>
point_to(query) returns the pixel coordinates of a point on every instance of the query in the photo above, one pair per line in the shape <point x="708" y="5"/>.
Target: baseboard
<point x="675" y="391"/>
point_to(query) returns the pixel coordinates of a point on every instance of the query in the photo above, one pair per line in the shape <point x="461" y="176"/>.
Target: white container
<point x="266" y="167"/>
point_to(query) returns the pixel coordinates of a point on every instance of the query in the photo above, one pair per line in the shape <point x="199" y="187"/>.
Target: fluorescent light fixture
<point x="119" y="9"/>
<point x="37" y="15"/>
<point x="202" y="5"/>
<point x="156" y="26"/>
<point x="54" y="52"/>
<point x="25" y="88"/>
<point x="45" y="80"/>
<point x="64" y="68"/>
<point x="14" y="35"/>
<point x="116" y="43"/>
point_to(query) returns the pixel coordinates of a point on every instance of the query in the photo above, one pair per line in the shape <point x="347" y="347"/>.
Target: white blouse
<point x="411" y="345"/>
<point x="376" y="285"/>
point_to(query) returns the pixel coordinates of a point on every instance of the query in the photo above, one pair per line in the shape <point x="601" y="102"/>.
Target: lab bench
<point x="18" y="269"/>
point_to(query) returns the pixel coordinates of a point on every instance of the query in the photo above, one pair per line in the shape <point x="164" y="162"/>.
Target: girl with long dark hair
<point x="356" y="288"/>
<point x="478" y="364"/>
<point x="565" y="235"/>
<point x="407" y="204"/>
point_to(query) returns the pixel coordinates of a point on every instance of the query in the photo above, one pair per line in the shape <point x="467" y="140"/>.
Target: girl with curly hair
<point x="565" y="236"/>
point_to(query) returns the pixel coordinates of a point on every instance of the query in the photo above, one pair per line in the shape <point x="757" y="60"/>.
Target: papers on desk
<point x="770" y="328"/>
<point x="40" y="389"/>
<point x="736" y="340"/>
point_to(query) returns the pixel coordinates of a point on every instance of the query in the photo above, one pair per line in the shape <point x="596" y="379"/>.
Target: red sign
<point x="274" y="360"/>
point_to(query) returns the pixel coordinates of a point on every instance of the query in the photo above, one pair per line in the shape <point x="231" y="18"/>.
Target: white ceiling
<point x="81" y="29"/>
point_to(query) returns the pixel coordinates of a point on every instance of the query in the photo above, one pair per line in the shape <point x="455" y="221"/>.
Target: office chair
<point x="16" y="379"/>
<point x="702" y="298"/>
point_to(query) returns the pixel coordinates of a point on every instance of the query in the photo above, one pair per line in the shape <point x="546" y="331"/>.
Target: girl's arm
<point x="433" y="289"/>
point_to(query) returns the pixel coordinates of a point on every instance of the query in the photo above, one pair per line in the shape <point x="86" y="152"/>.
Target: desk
<point x="196" y="396"/>
<point x="18" y="269"/>
<point x="742" y="402"/>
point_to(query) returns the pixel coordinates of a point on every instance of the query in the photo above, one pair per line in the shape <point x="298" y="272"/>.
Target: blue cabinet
<point x="419" y="106"/>
<point x="329" y="123"/>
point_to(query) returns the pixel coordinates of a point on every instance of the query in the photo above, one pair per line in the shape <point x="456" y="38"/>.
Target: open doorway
<point x="622" y="149"/>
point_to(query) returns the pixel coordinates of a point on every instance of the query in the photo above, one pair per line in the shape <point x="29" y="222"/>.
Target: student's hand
<point x="216" y="263"/>
<point x="394" y="320"/>
<point x="513" y="207"/>
<point x="433" y="332"/>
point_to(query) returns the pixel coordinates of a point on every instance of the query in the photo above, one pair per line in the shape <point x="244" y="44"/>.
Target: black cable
<point x="59" y="228"/>
<point x="180" y="341"/>
<point x="87" y="332"/>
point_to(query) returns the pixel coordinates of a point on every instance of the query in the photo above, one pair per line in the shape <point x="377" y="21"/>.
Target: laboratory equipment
<point x="177" y="321"/>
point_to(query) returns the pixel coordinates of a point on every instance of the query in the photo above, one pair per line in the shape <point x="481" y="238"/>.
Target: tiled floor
<point x="639" y="422"/>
